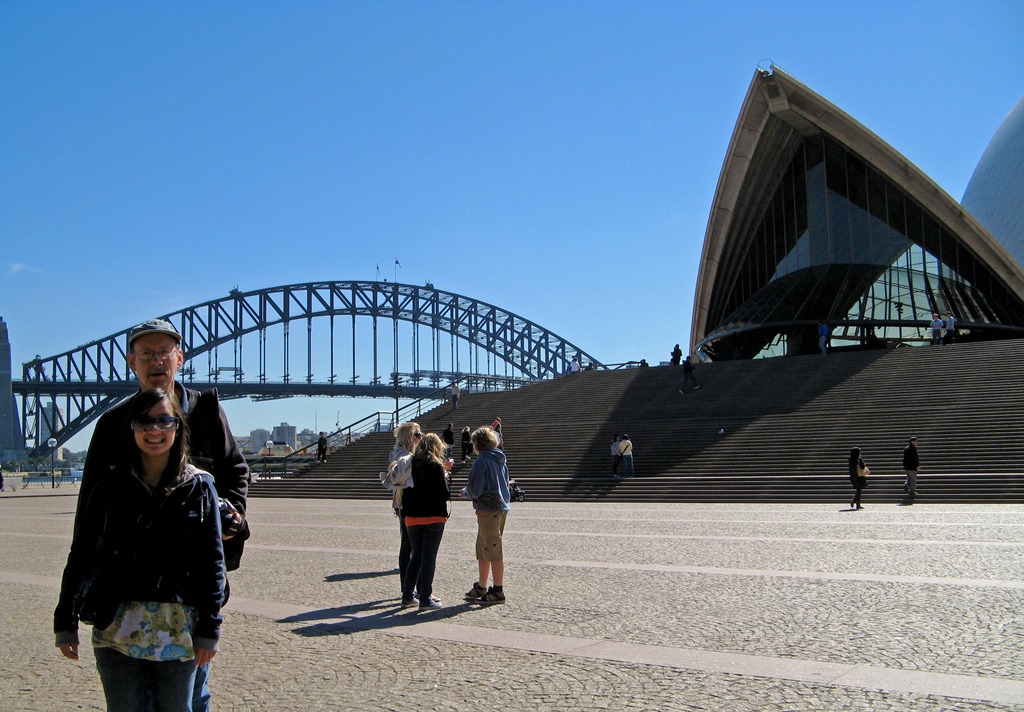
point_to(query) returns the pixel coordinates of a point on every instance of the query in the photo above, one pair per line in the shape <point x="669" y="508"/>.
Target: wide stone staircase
<point x="771" y="430"/>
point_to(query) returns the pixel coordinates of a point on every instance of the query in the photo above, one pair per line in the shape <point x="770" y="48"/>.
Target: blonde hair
<point x="404" y="436"/>
<point x="485" y="439"/>
<point x="431" y="448"/>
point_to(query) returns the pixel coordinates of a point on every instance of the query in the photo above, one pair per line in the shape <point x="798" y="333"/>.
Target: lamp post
<point x="52" y="444"/>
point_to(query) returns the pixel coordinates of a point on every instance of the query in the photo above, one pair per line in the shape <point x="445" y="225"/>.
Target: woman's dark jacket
<point x="856" y="479"/>
<point x="211" y="448"/>
<point x="429" y="495"/>
<point x="156" y="548"/>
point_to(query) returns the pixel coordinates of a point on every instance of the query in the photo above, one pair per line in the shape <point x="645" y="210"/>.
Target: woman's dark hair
<point x="854" y="460"/>
<point x="178" y="458"/>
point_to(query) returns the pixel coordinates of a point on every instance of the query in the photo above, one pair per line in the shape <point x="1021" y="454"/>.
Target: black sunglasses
<point x="163" y="423"/>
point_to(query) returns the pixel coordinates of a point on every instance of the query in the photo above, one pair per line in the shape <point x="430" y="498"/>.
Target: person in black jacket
<point x="149" y="538"/>
<point x="911" y="465"/>
<point x="155" y="355"/>
<point x="858" y="476"/>
<point x="425" y="509"/>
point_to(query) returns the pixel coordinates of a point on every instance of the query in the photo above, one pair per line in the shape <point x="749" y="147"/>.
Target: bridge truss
<point x="412" y="340"/>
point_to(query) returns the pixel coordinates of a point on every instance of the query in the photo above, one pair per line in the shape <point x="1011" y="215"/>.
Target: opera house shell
<point x="815" y="218"/>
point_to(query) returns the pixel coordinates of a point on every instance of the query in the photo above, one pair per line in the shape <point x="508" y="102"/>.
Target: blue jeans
<point x="130" y="683"/>
<point x="627" y="465"/>
<point x="201" y="689"/>
<point x="425" y="540"/>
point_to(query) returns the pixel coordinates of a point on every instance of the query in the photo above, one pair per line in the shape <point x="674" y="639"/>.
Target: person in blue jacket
<point x="488" y="488"/>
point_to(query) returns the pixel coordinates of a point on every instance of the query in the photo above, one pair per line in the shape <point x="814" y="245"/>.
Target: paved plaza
<point x="610" y="607"/>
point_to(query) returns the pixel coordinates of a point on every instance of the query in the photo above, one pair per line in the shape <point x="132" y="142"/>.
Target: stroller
<point x="516" y="491"/>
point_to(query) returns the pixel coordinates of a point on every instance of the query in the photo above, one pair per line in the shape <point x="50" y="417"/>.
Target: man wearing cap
<point x="155" y="355"/>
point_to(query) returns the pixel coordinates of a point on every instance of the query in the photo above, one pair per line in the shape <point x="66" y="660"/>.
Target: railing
<point x="383" y="421"/>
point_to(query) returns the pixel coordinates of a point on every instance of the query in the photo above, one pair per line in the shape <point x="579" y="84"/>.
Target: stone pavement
<point x="610" y="606"/>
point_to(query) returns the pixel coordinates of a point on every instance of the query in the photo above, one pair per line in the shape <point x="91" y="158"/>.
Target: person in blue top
<point x="488" y="488"/>
<point x="823" y="337"/>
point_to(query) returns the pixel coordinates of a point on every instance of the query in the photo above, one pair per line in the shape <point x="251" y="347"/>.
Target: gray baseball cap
<point x="153" y="326"/>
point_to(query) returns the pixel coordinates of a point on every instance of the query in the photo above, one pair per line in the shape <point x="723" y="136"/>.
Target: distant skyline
<point x="555" y="159"/>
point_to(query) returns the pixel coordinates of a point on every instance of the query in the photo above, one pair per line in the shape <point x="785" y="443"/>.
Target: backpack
<point x="399" y="474"/>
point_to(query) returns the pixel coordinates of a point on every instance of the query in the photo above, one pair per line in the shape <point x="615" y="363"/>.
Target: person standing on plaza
<point x="149" y="538"/>
<point x="911" y="466"/>
<point x="425" y="510"/>
<point x="858" y="476"/>
<point x="626" y="449"/>
<point x="449" y="440"/>
<point x="488" y="488"/>
<point x="155" y="356"/>
<point x="688" y="375"/>
<point x="616" y="454"/>
<point x="321" y="448"/>
<point x="456" y="392"/>
<point x="823" y="334"/>
<point x="407" y="439"/>
<point x="467" y="443"/>
<point x="936" y="330"/>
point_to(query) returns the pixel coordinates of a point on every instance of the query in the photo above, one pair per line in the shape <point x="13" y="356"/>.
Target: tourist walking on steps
<point x="467" y="444"/>
<point x="425" y="510"/>
<point x="321" y="448"/>
<point x="146" y="567"/>
<point x="936" y="330"/>
<point x="688" y="375"/>
<point x="858" y="476"/>
<point x="449" y="440"/>
<point x="823" y="334"/>
<point x="456" y="392"/>
<point x="951" y="330"/>
<point x="489" y="490"/>
<point x="496" y="427"/>
<point x="911" y="466"/>
<point x="616" y="454"/>
<point x="626" y="449"/>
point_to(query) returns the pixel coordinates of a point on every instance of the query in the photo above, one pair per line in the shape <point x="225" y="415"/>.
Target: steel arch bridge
<point x="428" y="337"/>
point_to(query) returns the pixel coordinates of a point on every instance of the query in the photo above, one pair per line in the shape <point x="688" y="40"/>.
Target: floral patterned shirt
<point x="149" y="631"/>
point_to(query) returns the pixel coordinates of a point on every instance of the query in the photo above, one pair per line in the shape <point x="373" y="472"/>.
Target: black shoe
<point x="491" y="597"/>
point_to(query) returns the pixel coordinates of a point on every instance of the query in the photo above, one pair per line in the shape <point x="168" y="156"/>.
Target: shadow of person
<point x="359" y="575"/>
<point x="382" y="615"/>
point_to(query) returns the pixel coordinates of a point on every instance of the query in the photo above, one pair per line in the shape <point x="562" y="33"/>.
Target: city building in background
<point x="286" y="434"/>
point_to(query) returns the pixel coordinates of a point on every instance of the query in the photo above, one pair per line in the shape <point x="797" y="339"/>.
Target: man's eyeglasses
<point x="150" y="355"/>
<point x="163" y="423"/>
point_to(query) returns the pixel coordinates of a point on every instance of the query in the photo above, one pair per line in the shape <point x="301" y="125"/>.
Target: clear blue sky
<point x="557" y="159"/>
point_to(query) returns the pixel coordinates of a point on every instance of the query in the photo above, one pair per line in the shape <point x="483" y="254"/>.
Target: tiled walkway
<point x="615" y="607"/>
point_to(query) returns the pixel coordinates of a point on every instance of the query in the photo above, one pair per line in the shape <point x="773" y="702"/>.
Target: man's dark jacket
<point x="211" y="445"/>
<point x="911" y="461"/>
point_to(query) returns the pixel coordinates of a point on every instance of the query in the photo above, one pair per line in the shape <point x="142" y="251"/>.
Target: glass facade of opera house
<point x="837" y="241"/>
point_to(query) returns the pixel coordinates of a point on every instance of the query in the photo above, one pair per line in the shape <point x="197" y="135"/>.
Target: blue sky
<point x="557" y="159"/>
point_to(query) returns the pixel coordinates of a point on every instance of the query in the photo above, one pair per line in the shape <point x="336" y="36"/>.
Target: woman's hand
<point x="69" y="650"/>
<point x="204" y="656"/>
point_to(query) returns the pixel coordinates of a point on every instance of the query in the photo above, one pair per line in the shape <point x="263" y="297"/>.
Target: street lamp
<point x="52" y="444"/>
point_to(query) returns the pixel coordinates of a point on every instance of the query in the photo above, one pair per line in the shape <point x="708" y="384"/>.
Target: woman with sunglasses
<point x="150" y="539"/>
